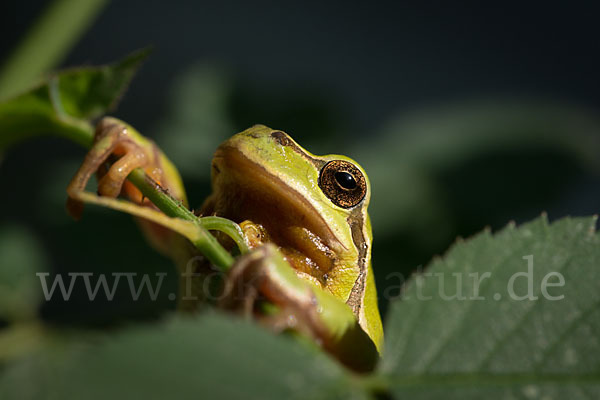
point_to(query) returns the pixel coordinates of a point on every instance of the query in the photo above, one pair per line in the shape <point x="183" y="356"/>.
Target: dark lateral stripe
<point x="356" y="222"/>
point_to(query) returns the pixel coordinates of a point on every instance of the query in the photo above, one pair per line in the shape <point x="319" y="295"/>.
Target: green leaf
<point x="497" y="345"/>
<point x="65" y="103"/>
<point x="212" y="357"/>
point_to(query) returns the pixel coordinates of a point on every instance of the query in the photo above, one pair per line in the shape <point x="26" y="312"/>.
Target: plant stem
<point x="161" y="199"/>
<point x="207" y="243"/>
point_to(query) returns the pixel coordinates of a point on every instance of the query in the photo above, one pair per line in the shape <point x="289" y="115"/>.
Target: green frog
<point x="303" y="217"/>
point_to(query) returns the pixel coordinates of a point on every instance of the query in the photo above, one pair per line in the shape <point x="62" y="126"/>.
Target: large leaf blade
<point x="502" y="346"/>
<point x="214" y="356"/>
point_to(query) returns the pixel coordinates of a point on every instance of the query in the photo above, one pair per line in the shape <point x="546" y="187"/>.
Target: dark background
<point x="376" y="60"/>
<point x="366" y="79"/>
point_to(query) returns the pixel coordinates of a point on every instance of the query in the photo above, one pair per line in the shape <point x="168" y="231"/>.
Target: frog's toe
<point x="110" y="184"/>
<point x="74" y="208"/>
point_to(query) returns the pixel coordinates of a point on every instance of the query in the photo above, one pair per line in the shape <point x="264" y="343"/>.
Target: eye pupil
<point x="345" y="180"/>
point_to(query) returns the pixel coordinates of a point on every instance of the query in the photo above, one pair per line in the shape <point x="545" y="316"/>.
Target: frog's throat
<point x="247" y="191"/>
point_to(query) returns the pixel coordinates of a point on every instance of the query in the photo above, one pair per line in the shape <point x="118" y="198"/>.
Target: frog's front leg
<point x="301" y="306"/>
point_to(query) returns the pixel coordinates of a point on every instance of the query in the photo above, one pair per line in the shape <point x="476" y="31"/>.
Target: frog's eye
<point x="343" y="183"/>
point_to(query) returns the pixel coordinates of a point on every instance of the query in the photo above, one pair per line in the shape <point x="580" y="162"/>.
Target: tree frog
<point x="305" y="219"/>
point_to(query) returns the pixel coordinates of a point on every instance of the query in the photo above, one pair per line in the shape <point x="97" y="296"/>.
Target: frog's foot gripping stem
<point x="117" y="150"/>
<point x="113" y="138"/>
<point x="120" y="144"/>
<point x="263" y="274"/>
<point x="301" y="306"/>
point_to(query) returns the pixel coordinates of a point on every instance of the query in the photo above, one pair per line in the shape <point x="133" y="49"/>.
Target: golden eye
<point x="343" y="183"/>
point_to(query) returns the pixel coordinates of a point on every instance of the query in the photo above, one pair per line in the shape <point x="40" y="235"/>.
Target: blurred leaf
<point x="453" y="170"/>
<point x="21" y="256"/>
<point x="64" y="104"/>
<point x="46" y="43"/>
<point x="495" y="345"/>
<point x="422" y="165"/>
<point x="197" y="120"/>
<point x="214" y="356"/>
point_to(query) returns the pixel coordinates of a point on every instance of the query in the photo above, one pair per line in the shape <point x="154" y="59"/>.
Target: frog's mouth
<point x="245" y="191"/>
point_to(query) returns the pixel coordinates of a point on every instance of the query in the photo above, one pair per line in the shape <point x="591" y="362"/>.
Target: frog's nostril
<point x="281" y="138"/>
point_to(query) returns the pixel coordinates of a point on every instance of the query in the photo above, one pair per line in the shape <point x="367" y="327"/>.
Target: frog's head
<point x="316" y="205"/>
